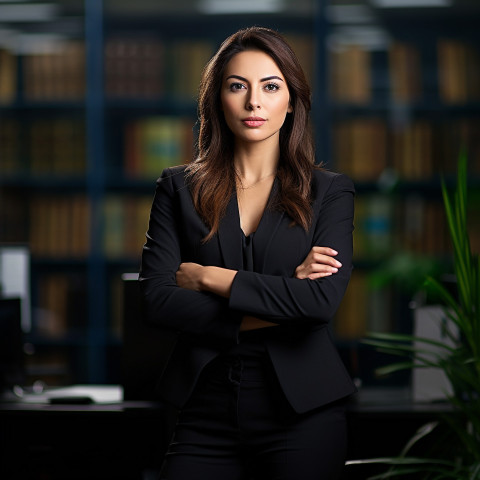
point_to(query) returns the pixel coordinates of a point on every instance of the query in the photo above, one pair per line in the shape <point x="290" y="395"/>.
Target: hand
<point x="197" y="277"/>
<point x="189" y="276"/>
<point x="319" y="263"/>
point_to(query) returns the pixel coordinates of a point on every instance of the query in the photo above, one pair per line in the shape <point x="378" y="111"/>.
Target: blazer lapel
<point x="266" y="230"/>
<point x="230" y="236"/>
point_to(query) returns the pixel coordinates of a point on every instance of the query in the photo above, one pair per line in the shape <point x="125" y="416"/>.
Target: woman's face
<point x="255" y="97"/>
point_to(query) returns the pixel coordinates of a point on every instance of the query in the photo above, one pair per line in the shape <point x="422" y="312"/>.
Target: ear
<point x="290" y="108"/>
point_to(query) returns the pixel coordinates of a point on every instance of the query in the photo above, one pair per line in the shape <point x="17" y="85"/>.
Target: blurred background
<point x="97" y="97"/>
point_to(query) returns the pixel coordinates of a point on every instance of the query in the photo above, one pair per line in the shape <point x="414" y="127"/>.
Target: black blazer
<point x="302" y="352"/>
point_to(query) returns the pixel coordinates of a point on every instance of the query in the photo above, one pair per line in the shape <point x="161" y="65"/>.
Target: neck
<point x="254" y="163"/>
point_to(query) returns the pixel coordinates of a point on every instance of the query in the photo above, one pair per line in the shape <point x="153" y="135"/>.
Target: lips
<point x="253" y="122"/>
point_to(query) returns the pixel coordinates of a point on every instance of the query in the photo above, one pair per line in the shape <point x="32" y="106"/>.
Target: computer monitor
<point x="11" y="344"/>
<point x="15" y="278"/>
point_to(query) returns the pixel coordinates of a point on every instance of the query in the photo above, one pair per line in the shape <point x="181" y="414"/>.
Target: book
<point x="360" y="148"/>
<point x="186" y="61"/>
<point x="8" y="76"/>
<point x="350" y="74"/>
<point x="125" y="225"/>
<point x="14" y="225"/>
<point x="61" y="304"/>
<point x="304" y="49"/>
<point x="404" y="72"/>
<point x="422" y="226"/>
<point x="375" y="226"/>
<point x="155" y="143"/>
<point x="458" y="71"/>
<point x="351" y="317"/>
<point x="10" y="152"/>
<point x="412" y="150"/>
<point x="134" y="67"/>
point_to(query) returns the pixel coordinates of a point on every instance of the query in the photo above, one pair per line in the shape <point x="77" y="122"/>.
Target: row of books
<point x="148" y="67"/>
<point x="133" y="68"/>
<point x="154" y="143"/>
<point x="151" y="68"/>
<point x="384" y="225"/>
<point x="402" y="232"/>
<point x="457" y="72"/>
<point x="59" y="226"/>
<point x="56" y="76"/>
<point x="366" y="147"/>
<point x="58" y="146"/>
<point x="43" y="147"/>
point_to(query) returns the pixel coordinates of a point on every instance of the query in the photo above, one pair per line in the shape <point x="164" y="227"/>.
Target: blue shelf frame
<point x="95" y="126"/>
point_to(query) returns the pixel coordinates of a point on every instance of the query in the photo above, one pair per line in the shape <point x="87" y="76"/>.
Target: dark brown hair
<point x="211" y="175"/>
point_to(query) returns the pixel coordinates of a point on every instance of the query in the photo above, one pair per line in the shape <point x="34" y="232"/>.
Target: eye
<point x="271" y="87"/>
<point x="236" y="86"/>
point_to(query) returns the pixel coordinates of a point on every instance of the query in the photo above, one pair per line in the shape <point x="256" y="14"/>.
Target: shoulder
<point x="173" y="174"/>
<point x="173" y="178"/>
<point x="324" y="181"/>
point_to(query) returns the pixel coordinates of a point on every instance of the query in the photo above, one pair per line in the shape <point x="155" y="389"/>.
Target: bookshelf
<point x="86" y="127"/>
<point x="403" y="100"/>
<point x="87" y="123"/>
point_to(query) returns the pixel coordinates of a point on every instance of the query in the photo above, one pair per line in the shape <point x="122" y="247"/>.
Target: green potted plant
<point x="458" y="359"/>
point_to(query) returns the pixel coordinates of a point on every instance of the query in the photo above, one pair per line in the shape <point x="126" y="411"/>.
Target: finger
<point x="321" y="268"/>
<point x="316" y="276"/>
<point x="326" y="260"/>
<point x="316" y="270"/>
<point x="325" y="250"/>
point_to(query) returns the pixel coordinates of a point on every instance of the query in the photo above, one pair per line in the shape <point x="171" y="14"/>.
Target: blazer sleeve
<point x="165" y="304"/>
<point x="287" y="300"/>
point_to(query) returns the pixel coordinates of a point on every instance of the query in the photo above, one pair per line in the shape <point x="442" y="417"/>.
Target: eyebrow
<point x="266" y="79"/>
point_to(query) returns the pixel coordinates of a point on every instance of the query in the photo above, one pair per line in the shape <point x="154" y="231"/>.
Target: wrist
<point x="205" y="278"/>
<point x="217" y="280"/>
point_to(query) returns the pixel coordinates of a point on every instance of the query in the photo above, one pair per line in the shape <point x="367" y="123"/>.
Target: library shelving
<point x="88" y="122"/>
<point x="87" y="125"/>
<point x="403" y="103"/>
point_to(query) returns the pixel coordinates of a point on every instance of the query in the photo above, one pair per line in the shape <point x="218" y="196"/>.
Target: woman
<point x="248" y="255"/>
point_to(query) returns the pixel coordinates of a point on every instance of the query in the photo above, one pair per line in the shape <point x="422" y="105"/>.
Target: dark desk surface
<point x="109" y="438"/>
<point x="109" y="398"/>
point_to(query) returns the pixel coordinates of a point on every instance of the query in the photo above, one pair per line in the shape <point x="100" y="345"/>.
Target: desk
<point x="125" y="440"/>
<point x="70" y="442"/>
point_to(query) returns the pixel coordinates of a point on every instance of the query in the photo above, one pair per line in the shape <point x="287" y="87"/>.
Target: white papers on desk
<point x="99" y="394"/>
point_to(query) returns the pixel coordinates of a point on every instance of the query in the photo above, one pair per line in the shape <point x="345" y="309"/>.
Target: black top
<point x="247" y="243"/>
<point x="251" y="342"/>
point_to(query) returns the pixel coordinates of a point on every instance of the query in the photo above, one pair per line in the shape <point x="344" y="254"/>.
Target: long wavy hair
<point x="211" y="174"/>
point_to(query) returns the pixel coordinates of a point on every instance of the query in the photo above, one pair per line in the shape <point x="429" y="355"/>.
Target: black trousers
<point x="238" y="426"/>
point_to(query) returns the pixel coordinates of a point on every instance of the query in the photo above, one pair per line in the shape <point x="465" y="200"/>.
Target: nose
<point x="252" y="102"/>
